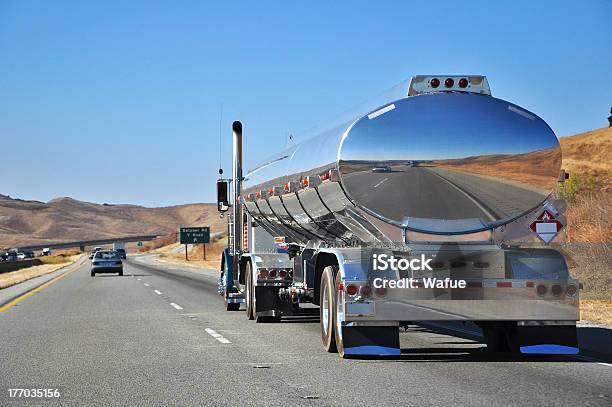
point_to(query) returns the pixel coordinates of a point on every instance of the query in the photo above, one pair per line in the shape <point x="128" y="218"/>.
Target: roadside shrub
<point x="577" y="185"/>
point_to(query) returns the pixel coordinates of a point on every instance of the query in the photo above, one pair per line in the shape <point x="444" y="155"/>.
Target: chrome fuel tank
<point x="438" y="163"/>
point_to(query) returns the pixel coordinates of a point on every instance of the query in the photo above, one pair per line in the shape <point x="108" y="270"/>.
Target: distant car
<point x="11" y="256"/>
<point x="46" y="251"/>
<point x="94" y="251"/>
<point x="383" y="168"/>
<point x="106" y="261"/>
<point x="29" y="255"/>
<point x="121" y="253"/>
<point x="21" y="256"/>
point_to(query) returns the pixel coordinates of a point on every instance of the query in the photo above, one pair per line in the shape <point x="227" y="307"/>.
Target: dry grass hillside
<point x="65" y="219"/>
<point x="588" y="159"/>
<point x="590" y="154"/>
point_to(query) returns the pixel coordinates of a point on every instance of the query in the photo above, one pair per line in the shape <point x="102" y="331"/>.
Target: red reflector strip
<point x="504" y="283"/>
<point x="530" y="284"/>
<point x="474" y="284"/>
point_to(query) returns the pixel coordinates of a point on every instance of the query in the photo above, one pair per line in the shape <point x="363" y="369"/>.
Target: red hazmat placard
<point x="546" y="226"/>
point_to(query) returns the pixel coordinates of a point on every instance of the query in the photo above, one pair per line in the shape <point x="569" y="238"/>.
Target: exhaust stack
<point x="237" y="189"/>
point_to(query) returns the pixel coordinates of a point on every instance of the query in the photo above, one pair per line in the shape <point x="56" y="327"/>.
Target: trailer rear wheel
<point x="232" y="306"/>
<point x="249" y="294"/>
<point x="327" y="309"/>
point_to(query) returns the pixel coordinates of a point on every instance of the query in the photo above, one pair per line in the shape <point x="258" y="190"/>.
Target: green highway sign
<point x="139" y="244"/>
<point x="195" y="235"/>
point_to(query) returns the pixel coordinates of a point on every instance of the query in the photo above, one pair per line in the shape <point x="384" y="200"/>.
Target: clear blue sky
<point x="119" y="101"/>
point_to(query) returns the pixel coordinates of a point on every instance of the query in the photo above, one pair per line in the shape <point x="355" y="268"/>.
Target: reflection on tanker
<point x="432" y="180"/>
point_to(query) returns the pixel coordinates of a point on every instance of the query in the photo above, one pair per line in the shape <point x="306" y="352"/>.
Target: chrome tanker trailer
<point x="435" y="202"/>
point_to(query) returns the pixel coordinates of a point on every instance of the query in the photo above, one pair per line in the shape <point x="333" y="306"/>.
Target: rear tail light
<point x="381" y="291"/>
<point x="263" y="273"/>
<point x="340" y="286"/>
<point x="541" y="290"/>
<point x="449" y="82"/>
<point x="556" y="290"/>
<point x="272" y="273"/>
<point x="352" y="289"/>
<point x="571" y="290"/>
<point x="366" y="291"/>
<point x="435" y="82"/>
<point x="282" y="273"/>
<point x="463" y="83"/>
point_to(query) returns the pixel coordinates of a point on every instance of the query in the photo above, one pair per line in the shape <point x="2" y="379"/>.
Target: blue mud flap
<point x="371" y="340"/>
<point x="549" y="349"/>
<point x="548" y="340"/>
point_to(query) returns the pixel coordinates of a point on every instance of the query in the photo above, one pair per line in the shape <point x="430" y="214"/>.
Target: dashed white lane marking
<point x="176" y="306"/>
<point x="146" y="284"/>
<point x="138" y="279"/>
<point x="381" y="182"/>
<point x="157" y="292"/>
<point x="216" y="335"/>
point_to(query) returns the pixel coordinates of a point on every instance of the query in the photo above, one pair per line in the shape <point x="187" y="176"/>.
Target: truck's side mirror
<point x="222" y="195"/>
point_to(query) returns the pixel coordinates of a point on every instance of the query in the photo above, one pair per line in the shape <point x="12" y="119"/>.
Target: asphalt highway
<point x="159" y="337"/>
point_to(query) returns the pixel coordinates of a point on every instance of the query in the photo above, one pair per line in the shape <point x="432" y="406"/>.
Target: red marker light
<point x="541" y="290"/>
<point x="435" y="82"/>
<point x="463" y="83"/>
<point x="449" y="82"/>
<point x="351" y="289"/>
<point x="272" y="273"/>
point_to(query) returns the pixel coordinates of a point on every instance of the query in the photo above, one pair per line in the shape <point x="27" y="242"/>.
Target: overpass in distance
<point x="82" y="244"/>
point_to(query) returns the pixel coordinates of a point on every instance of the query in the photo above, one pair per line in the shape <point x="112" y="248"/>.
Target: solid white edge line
<point x="176" y="306"/>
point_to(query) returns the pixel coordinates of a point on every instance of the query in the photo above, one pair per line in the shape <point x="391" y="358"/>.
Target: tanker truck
<point x="434" y="202"/>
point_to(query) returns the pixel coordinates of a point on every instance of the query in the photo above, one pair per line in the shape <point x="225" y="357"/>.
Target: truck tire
<point x="249" y="294"/>
<point x="232" y="306"/>
<point x="327" y="308"/>
<point x="501" y="337"/>
<point x="338" y="306"/>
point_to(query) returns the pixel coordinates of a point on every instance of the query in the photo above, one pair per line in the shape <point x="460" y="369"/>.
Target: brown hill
<point x="66" y="219"/>
<point x="589" y="154"/>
